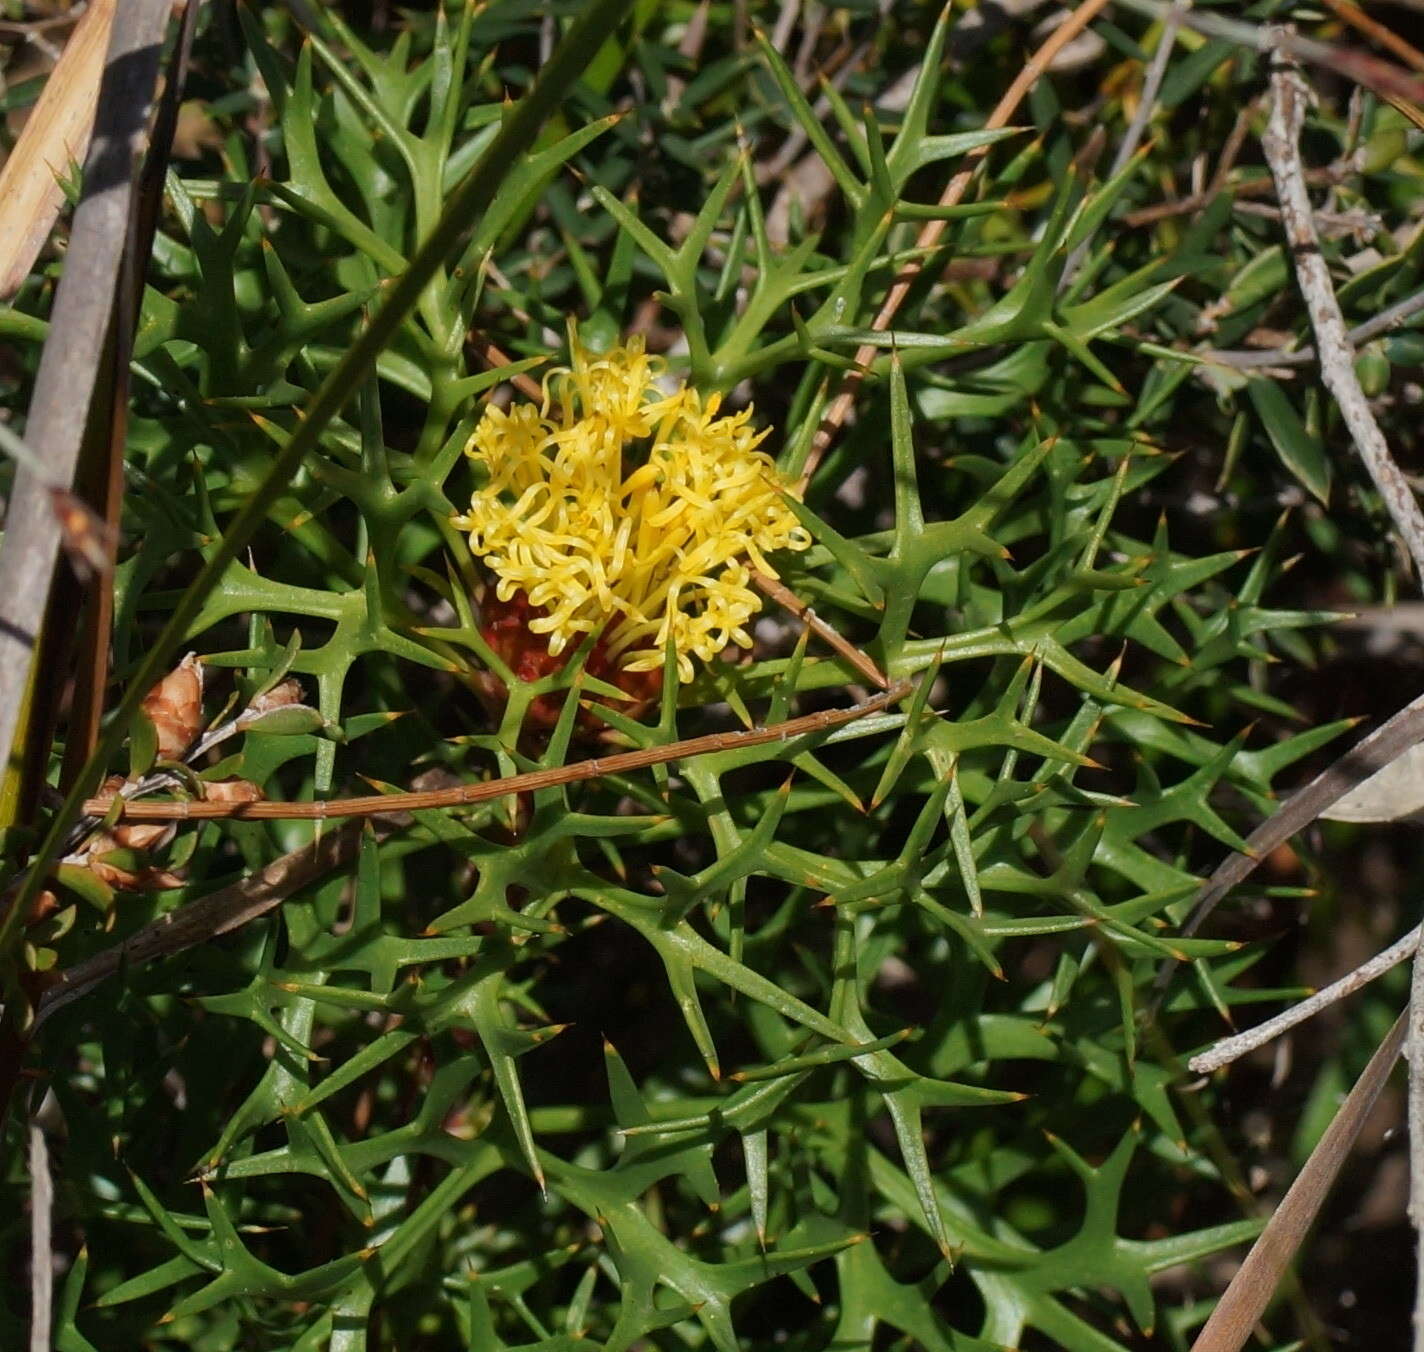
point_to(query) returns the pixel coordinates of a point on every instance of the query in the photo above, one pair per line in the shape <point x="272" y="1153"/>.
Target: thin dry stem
<point x="1377" y="32"/>
<point x="494" y="356"/>
<point x="463" y="795"/>
<point x="1127" y="148"/>
<point x="789" y="601"/>
<point x="205" y="919"/>
<point x="1245" y="1301"/>
<point x="1281" y="144"/>
<point x="1230" y="1049"/>
<point x="929" y="236"/>
<point x="1245" y="359"/>
<point x="1361" y="67"/>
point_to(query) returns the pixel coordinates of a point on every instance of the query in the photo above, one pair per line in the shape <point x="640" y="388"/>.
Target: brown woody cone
<point x="175" y="706"/>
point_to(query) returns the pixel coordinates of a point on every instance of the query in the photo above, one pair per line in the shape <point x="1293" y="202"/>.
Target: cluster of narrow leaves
<point x="840" y="1042"/>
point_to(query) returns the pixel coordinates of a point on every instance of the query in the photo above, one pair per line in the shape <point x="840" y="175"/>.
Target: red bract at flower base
<point x="505" y="627"/>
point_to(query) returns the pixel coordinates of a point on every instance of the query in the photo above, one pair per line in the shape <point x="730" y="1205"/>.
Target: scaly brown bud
<point x="44" y="905"/>
<point x="278" y="697"/>
<point x="232" y="791"/>
<point x="121" y="879"/>
<point x="175" y="707"/>
<point x="143" y="835"/>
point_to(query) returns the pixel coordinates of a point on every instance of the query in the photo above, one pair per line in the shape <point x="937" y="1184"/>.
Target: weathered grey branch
<point x="1229" y="1049"/>
<point x="1392" y="317"/>
<point x="1281" y="144"/>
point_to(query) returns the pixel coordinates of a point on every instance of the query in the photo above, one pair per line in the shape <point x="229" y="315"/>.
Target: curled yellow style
<point x="618" y="506"/>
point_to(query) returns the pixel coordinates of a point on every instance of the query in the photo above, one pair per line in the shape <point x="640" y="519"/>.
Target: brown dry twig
<point x="1372" y="28"/>
<point x="1366" y="758"/>
<point x="1361" y="67"/>
<point x="381" y="805"/>
<point x="929" y="236"/>
<point x="828" y="634"/>
<point x="210" y="916"/>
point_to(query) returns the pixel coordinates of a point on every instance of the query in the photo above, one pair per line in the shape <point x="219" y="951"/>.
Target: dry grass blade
<point x="55" y="136"/>
<point x="380" y="805"/>
<point x="1251" y="1289"/>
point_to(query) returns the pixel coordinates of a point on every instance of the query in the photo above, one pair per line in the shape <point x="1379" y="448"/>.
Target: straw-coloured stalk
<point x="55" y="136"/>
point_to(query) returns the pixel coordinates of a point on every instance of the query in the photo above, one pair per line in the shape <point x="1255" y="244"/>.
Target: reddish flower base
<point x="505" y="627"/>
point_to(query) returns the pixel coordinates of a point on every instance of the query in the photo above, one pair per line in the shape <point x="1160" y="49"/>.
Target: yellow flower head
<point x="618" y="507"/>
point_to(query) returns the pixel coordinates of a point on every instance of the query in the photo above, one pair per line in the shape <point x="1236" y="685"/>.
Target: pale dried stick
<point x="380" y="805"/>
<point x="929" y="236"/>
<point x="789" y="601"/>
<point x="1281" y="143"/>
<point x="1383" y="322"/>
<point x="41" y="1242"/>
<point x="1229" y="1049"/>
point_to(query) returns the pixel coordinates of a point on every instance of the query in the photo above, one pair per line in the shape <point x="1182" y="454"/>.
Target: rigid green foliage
<point x="844" y="1042"/>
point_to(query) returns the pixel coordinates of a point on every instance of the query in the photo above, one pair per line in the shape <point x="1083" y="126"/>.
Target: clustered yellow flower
<point x="620" y="507"/>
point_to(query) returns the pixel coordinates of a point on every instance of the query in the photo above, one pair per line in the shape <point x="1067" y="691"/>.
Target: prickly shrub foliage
<point x="842" y="1042"/>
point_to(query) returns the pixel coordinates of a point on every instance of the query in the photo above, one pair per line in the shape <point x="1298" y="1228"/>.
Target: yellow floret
<point x="620" y="507"/>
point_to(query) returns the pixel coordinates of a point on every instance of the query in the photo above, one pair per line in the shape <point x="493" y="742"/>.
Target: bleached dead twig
<point x="1281" y="144"/>
<point x="41" y="1243"/>
<point x="1231" y="1048"/>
